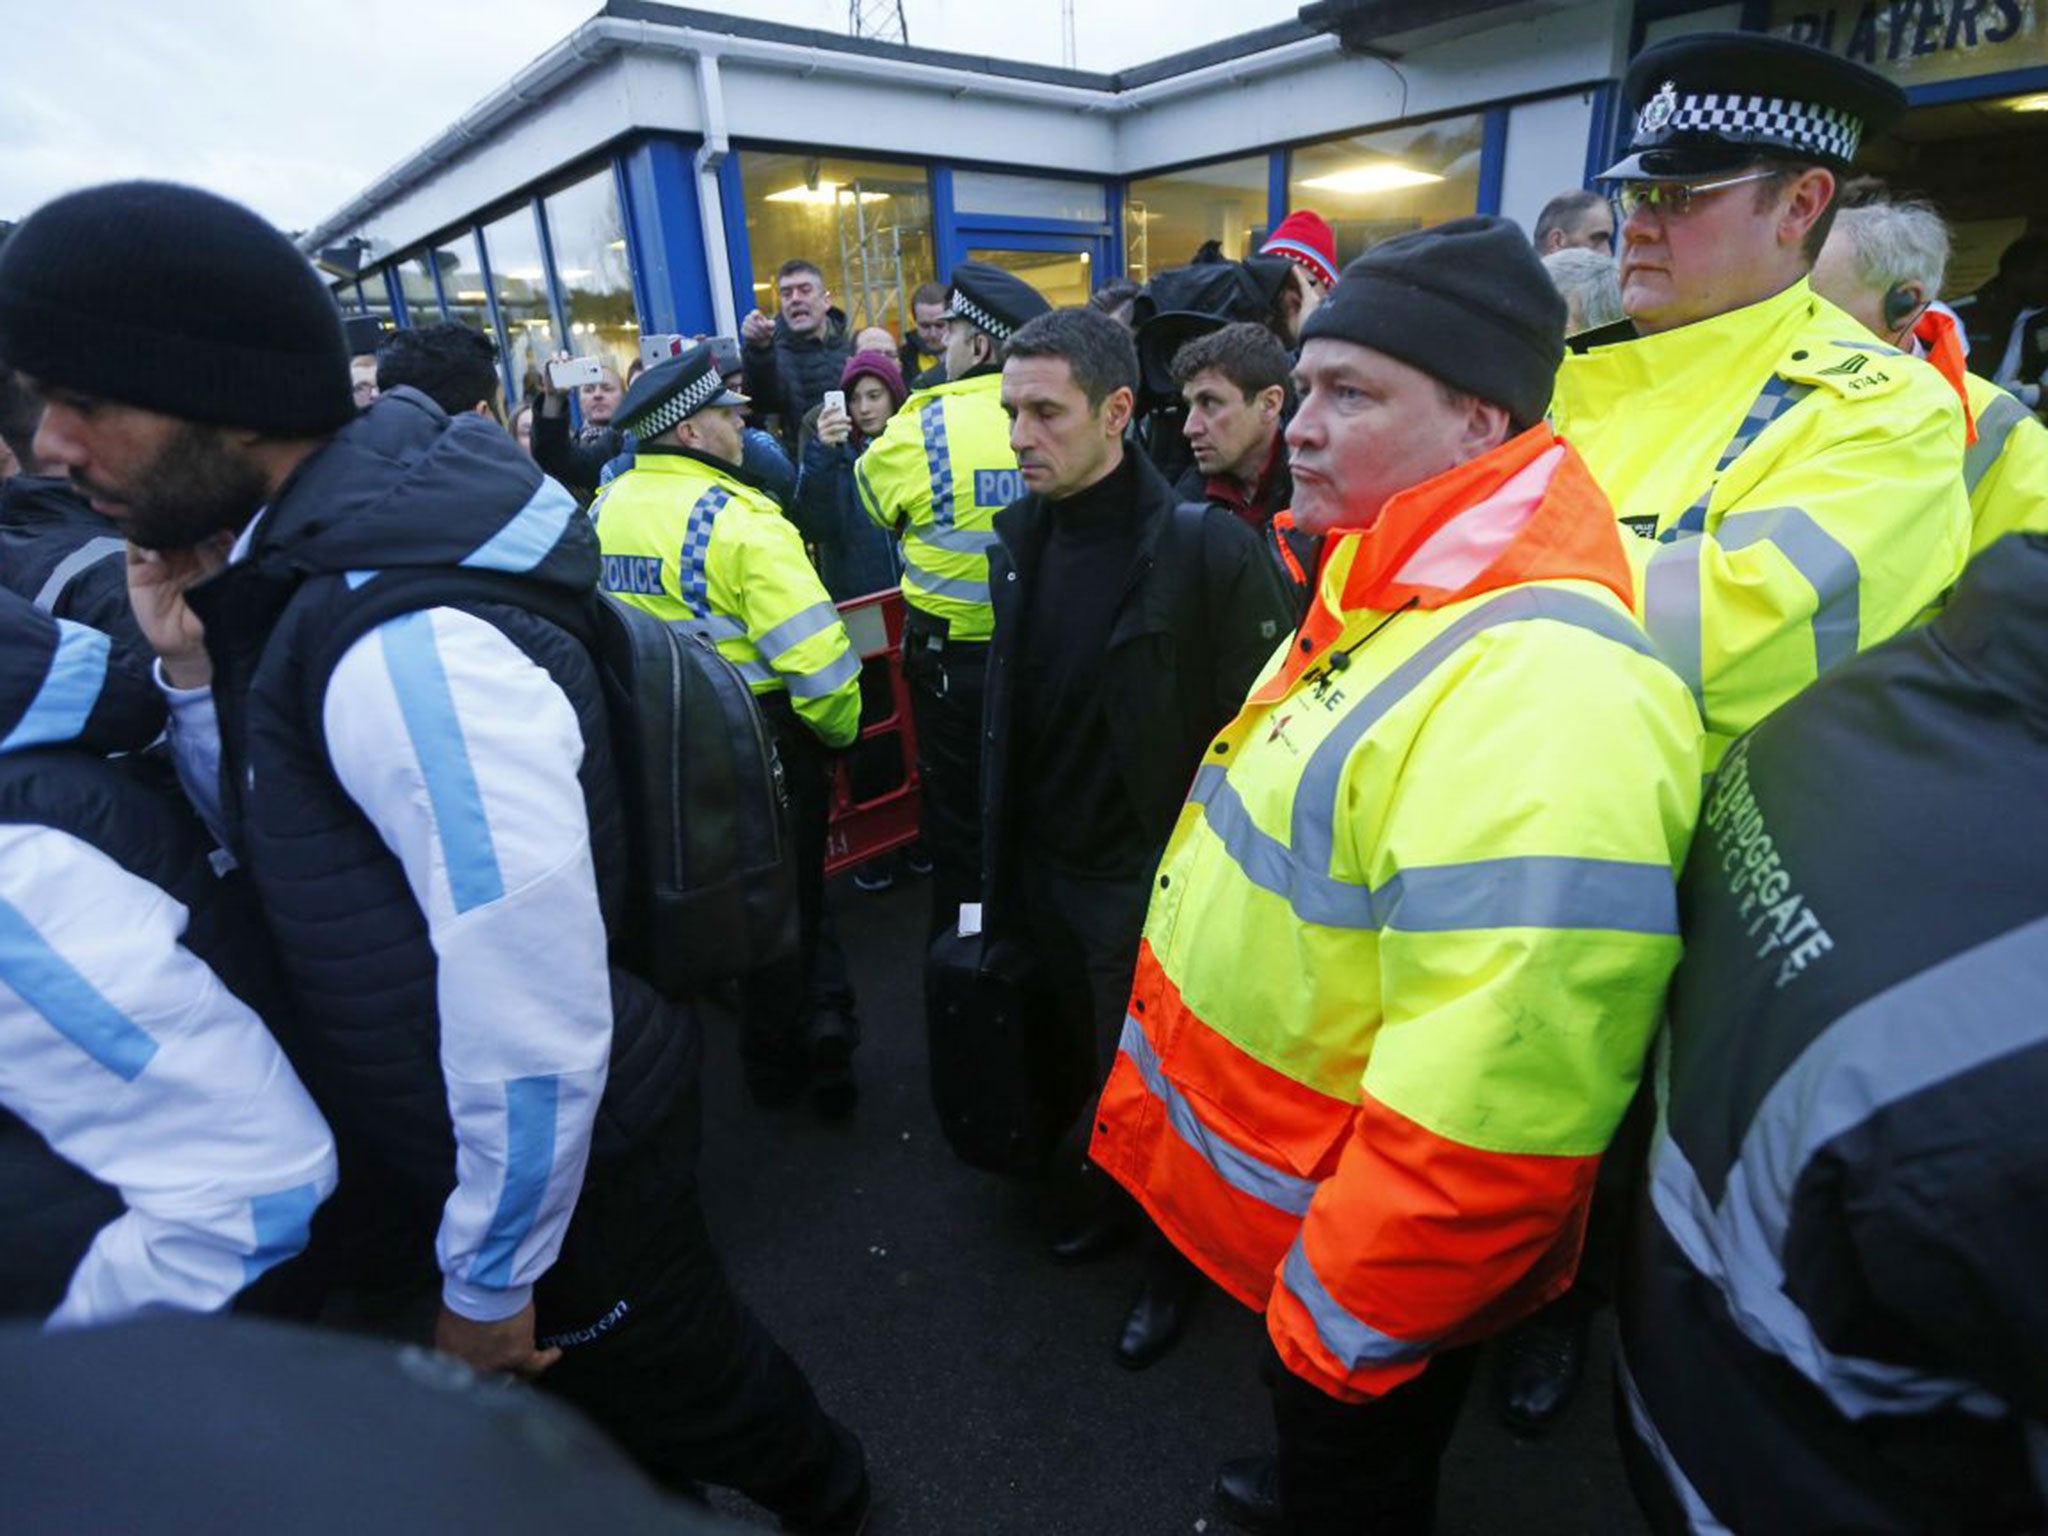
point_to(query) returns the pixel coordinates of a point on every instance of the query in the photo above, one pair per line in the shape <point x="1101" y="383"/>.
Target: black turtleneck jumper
<point x="1075" y="812"/>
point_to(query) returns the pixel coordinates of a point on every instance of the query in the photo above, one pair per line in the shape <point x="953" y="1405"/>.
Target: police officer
<point x="1793" y="485"/>
<point x="688" y="535"/>
<point x="938" y="475"/>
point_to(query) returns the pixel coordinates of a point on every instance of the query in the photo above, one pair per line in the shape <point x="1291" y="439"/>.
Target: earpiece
<point x="1901" y="300"/>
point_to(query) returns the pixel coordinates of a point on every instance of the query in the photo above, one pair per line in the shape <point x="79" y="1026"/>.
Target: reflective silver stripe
<point x="1533" y="891"/>
<point x="941" y="586"/>
<point x="1965" y="1013"/>
<point x="1313" y="835"/>
<point x="1236" y="1167"/>
<point x="757" y="674"/>
<point x="796" y="629"/>
<point x="958" y="541"/>
<point x="1699" y="1519"/>
<point x="714" y="627"/>
<point x="1671" y="611"/>
<point x="1537" y="891"/>
<point x="829" y="678"/>
<point x="90" y="553"/>
<point x="1825" y="562"/>
<point x="1351" y="1339"/>
<point x="1994" y="427"/>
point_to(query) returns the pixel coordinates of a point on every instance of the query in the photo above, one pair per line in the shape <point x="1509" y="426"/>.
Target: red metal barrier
<point x="874" y="784"/>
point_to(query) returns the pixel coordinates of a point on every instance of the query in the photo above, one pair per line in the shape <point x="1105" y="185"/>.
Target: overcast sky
<point x="294" y="106"/>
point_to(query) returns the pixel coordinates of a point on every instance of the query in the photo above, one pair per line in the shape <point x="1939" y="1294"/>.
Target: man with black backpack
<point x="1127" y="631"/>
<point x="374" y="704"/>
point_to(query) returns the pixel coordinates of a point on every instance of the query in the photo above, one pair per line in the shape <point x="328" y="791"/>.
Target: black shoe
<point x="834" y="1092"/>
<point x="1249" y="1491"/>
<point x="1541" y="1361"/>
<point x="1156" y="1320"/>
<point x="1095" y="1236"/>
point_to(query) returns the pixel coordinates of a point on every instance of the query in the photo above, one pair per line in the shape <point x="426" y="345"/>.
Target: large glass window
<point x="462" y="283"/>
<point x="513" y="246"/>
<point x="866" y="225"/>
<point x="588" y="235"/>
<point x="416" y="285"/>
<point x="1064" y="277"/>
<point x="1373" y="186"/>
<point x="1169" y="218"/>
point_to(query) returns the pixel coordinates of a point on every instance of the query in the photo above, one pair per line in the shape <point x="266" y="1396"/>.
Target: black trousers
<point x="660" y="1352"/>
<point x="1366" y="1469"/>
<point x="946" y="686"/>
<point x="782" y="1002"/>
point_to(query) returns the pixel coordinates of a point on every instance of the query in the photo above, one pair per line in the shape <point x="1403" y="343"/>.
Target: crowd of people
<point x="1508" y="769"/>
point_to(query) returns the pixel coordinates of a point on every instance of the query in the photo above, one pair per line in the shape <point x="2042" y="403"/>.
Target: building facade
<point x="651" y="171"/>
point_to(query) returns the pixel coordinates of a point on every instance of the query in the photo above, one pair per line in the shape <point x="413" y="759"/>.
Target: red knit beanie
<point x="1304" y="236"/>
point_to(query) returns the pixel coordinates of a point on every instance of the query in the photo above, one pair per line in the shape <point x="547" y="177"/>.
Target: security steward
<point x="1884" y="264"/>
<point x="1408" y="941"/>
<point x="938" y="475"/>
<point x="688" y="536"/>
<point x="1792" y="484"/>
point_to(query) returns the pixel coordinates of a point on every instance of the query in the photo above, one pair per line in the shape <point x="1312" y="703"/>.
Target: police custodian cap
<point x="997" y="301"/>
<point x="673" y="389"/>
<point x="1715" y="101"/>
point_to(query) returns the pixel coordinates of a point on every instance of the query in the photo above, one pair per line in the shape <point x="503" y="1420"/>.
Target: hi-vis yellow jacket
<point x="1795" y="482"/>
<point x="1412" y="931"/>
<point x="2005" y="467"/>
<point x="692" y="543"/>
<point x="939" y="473"/>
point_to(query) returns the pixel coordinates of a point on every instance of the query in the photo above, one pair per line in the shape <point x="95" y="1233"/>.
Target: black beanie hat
<point x="177" y="301"/>
<point x="1467" y="302"/>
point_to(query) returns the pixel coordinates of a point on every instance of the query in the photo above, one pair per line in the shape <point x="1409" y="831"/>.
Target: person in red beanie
<point x="1305" y="238"/>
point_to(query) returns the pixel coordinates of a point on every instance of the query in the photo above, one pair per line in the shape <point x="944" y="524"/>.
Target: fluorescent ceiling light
<point x="823" y="192"/>
<point x="1385" y="176"/>
<point x="470" y="296"/>
<point x="2036" y="103"/>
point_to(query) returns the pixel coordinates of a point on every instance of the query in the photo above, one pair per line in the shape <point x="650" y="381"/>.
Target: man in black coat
<point x="1127" y="632"/>
<point x="793" y="359"/>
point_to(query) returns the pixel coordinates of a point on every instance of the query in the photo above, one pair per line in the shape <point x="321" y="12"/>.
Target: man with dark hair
<point x="923" y="353"/>
<point x="793" y="359"/>
<point x="1794" y="486"/>
<point x="1580" y="219"/>
<point x="1126" y="632"/>
<point x="937" y="476"/>
<point x="55" y="550"/>
<point x="2007" y="322"/>
<point x="381" y="703"/>
<point x="1408" y="941"/>
<point x="1234" y="382"/>
<point x="452" y="365"/>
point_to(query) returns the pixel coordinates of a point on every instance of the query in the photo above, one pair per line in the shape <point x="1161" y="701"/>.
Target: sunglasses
<point x="1674" y="199"/>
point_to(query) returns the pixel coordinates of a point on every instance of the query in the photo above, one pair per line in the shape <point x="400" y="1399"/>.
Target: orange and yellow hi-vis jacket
<point x="2005" y="466"/>
<point x="1409" y="940"/>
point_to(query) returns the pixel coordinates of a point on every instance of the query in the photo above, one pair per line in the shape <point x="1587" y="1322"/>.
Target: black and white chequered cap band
<point x="1825" y="131"/>
<point x="687" y="401"/>
<point x="966" y="309"/>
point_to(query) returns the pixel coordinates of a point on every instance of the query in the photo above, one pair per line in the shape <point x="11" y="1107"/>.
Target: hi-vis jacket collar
<point x="1527" y="511"/>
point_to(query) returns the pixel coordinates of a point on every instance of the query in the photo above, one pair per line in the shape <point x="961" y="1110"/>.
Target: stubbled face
<point x="806" y="304"/>
<point x="1593" y="230"/>
<point x="931" y="328"/>
<point x="168" y="484"/>
<point x="869" y="404"/>
<point x="714" y="431"/>
<point x="1062" y="444"/>
<point x="1722" y="253"/>
<point x="1229" y="432"/>
<point x="600" y="400"/>
<point x="967" y="348"/>
<point x="1368" y="426"/>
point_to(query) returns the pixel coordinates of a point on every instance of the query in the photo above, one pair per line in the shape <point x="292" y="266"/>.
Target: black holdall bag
<point x="989" y="1046"/>
<point x="712" y="877"/>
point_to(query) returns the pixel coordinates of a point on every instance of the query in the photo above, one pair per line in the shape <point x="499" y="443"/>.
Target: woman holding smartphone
<point x="854" y="556"/>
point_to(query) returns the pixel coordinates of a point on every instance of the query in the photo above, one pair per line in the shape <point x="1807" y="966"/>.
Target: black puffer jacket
<point x="68" y="560"/>
<point x="790" y="375"/>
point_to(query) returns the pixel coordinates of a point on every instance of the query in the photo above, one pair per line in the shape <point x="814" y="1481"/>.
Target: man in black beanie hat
<point x="376" y="705"/>
<point x="1407" y="944"/>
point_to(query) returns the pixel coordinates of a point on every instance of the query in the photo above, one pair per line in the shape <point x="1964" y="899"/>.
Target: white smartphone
<point x="835" y="400"/>
<point x="659" y="349"/>
<point x="569" y="372"/>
